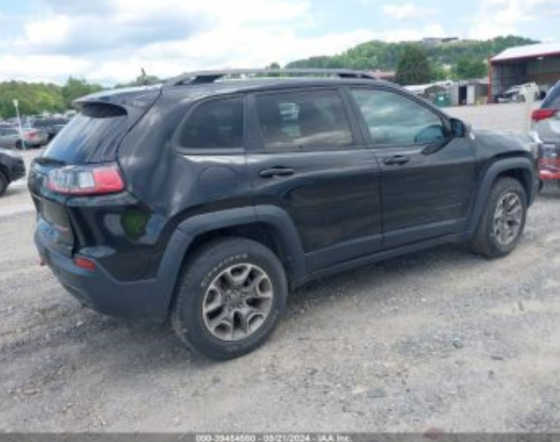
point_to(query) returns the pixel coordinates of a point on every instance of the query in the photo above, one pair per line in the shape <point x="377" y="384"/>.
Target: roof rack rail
<point x="206" y="77"/>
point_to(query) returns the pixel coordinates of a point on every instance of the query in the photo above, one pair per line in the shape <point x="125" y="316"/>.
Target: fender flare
<point x="486" y="184"/>
<point x="186" y="232"/>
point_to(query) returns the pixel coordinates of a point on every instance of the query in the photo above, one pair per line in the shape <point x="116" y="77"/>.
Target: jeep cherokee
<point x="203" y="200"/>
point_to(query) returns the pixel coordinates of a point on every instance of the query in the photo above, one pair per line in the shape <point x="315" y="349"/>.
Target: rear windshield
<point x="553" y="97"/>
<point x="97" y="129"/>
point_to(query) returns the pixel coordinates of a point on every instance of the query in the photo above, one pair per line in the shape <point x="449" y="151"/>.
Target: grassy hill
<point x="384" y="56"/>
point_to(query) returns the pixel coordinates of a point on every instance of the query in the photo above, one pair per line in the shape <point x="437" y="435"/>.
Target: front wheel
<point x="230" y="297"/>
<point x="503" y="220"/>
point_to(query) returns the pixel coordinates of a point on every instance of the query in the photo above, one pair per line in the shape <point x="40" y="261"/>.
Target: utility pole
<point x="16" y="105"/>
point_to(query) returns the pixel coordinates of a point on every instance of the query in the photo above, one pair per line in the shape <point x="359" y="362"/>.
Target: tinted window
<point x="394" y="119"/>
<point x="552" y="99"/>
<point x="304" y="120"/>
<point x="215" y="124"/>
<point x="97" y="128"/>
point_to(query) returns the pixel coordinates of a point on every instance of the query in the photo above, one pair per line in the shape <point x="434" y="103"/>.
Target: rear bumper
<point x="548" y="175"/>
<point x="97" y="289"/>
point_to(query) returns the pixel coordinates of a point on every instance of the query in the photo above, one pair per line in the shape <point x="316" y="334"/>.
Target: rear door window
<point x="216" y="124"/>
<point x="309" y="120"/>
<point x="96" y="129"/>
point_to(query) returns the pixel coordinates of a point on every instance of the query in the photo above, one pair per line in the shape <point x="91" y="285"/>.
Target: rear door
<point x="427" y="175"/>
<point x="309" y="159"/>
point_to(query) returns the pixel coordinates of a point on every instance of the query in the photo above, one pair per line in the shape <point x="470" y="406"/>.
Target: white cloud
<point x="110" y="41"/>
<point x="504" y="17"/>
<point x="406" y="11"/>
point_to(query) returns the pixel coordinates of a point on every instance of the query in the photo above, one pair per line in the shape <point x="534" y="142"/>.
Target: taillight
<point x="86" y="180"/>
<point x="543" y="114"/>
<point x="84" y="263"/>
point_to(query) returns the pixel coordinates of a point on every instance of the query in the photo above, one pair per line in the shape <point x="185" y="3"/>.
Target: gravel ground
<point x="440" y="339"/>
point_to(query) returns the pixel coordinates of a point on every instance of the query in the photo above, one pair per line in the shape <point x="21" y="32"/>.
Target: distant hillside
<point x="384" y="56"/>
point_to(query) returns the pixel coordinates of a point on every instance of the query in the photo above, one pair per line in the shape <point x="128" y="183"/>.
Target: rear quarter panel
<point x="174" y="184"/>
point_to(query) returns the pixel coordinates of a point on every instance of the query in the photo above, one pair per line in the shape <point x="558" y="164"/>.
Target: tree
<point x="439" y="72"/>
<point x="469" y="67"/>
<point x="385" y="56"/>
<point x="76" y="88"/>
<point x="413" y="66"/>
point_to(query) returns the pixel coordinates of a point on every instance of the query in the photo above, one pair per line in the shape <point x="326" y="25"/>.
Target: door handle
<point x="397" y="160"/>
<point x="276" y="172"/>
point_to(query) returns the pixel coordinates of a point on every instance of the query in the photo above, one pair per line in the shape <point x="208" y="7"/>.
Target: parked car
<point x="546" y="130"/>
<point x="521" y="93"/>
<point x="204" y="202"/>
<point x="12" y="168"/>
<point x="52" y="126"/>
<point x="10" y="138"/>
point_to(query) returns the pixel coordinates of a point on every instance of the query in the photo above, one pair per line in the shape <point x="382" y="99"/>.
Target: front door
<point x="427" y="174"/>
<point x="309" y="159"/>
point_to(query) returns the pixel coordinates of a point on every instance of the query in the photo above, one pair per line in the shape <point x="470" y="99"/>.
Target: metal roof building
<point x="538" y="63"/>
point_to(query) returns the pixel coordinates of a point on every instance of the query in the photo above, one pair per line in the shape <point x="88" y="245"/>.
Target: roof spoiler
<point x="136" y="97"/>
<point x="206" y="77"/>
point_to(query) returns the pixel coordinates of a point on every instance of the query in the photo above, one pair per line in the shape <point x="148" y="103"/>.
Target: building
<point x="469" y="92"/>
<point x="438" y="41"/>
<point x="433" y="92"/>
<point x="538" y="63"/>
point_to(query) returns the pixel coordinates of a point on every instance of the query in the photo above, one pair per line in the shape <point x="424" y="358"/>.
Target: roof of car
<point x="241" y="85"/>
<point x="226" y="86"/>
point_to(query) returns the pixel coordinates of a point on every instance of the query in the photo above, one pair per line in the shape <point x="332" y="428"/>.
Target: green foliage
<point x="76" y="88"/>
<point x="141" y="80"/>
<point x="35" y="98"/>
<point x="385" y="56"/>
<point x="413" y="67"/>
<point x="469" y="67"/>
<point x="439" y="73"/>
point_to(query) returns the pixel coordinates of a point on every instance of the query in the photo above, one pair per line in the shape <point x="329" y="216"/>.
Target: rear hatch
<point x="88" y="142"/>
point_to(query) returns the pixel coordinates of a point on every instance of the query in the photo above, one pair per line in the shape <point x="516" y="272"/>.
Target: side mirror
<point x="459" y="128"/>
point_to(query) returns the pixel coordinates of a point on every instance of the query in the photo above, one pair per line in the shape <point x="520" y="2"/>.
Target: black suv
<point x="12" y="168"/>
<point x="204" y="200"/>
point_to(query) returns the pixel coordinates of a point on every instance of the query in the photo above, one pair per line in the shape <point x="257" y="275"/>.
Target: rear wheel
<point x="503" y="220"/>
<point x="4" y="183"/>
<point x="19" y="145"/>
<point x="230" y="298"/>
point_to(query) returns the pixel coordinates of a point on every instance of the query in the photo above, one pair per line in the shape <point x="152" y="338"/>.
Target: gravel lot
<point x="440" y="339"/>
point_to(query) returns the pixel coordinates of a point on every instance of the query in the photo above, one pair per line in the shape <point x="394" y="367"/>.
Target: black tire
<point x="19" y="145"/>
<point x="208" y="264"/>
<point x="4" y="183"/>
<point x="485" y="240"/>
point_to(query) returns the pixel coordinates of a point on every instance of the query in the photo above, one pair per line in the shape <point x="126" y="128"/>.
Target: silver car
<point x="546" y="129"/>
<point x="10" y="138"/>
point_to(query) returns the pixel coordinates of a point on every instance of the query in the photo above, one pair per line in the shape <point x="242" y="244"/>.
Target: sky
<point x="110" y="41"/>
